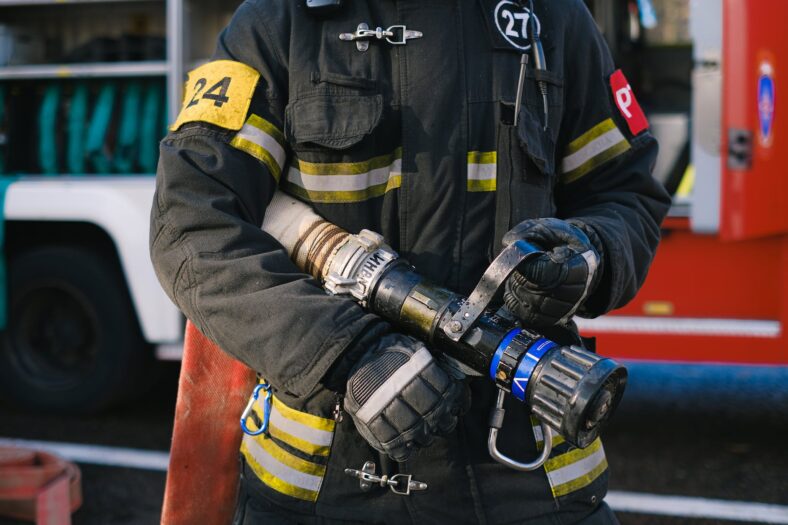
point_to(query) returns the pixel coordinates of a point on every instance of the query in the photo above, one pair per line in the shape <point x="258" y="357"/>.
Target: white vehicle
<point x="86" y="315"/>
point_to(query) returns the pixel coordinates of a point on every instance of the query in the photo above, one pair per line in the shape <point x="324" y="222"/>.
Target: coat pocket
<point x="335" y="119"/>
<point x="526" y="153"/>
<point x="342" y="154"/>
<point x="538" y="126"/>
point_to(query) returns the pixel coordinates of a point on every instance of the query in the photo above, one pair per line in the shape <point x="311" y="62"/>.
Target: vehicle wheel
<point x="72" y="343"/>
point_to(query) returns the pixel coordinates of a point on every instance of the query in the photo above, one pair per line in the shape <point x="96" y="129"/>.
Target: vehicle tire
<point x="72" y="343"/>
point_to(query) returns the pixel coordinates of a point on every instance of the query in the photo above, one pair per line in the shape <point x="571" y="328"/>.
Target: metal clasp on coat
<point x="401" y="484"/>
<point x="396" y="35"/>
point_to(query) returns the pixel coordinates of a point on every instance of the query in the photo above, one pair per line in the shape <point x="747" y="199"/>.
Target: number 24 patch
<point x="218" y="93"/>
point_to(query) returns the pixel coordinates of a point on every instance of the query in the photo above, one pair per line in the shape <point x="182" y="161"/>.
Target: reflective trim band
<point x="345" y="182"/>
<point x="349" y="168"/>
<point x="482" y="171"/>
<point x="682" y="326"/>
<point x="277" y="474"/>
<point x="263" y="141"/>
<point x="283" y="456"/>
<point x="304" y="437"/>
<point x="576" y="469"/>
<point x="381" y="398"/>
<point x="343" y="197"/>
<point x="600" y="144"/>
<point x="320" y="423"/>
<point x="325" y="182"/>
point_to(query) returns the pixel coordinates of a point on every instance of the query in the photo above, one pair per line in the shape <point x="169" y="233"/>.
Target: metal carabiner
<point x="496" y="422"/>
<point x="250" y="407"/>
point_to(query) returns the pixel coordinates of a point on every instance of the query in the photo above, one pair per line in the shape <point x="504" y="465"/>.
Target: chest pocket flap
<point x="332" y="120"/>
<point x="540" y="143"/>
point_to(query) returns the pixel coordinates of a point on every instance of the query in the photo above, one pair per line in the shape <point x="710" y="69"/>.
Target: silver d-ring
<point x="492" y="446"/>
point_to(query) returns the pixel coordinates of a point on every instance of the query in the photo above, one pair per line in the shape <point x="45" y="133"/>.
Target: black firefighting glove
<point x="400" y="398"/>
<point x="548" y="290"/>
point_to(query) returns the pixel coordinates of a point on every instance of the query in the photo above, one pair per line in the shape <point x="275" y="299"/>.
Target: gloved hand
<point x="549" y="289"/>
<point x="400" y="398"/>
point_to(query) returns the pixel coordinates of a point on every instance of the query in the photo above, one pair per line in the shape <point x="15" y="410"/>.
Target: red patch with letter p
<point x="627" y="103"/>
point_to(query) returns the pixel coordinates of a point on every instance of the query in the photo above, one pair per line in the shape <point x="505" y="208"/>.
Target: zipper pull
<point x="338" y="414"/>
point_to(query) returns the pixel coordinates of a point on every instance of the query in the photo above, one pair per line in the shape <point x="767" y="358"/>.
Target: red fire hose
<point x="202" y="478"/>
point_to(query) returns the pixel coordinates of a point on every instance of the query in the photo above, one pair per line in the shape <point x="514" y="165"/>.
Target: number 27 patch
<point x="218" y="93"/>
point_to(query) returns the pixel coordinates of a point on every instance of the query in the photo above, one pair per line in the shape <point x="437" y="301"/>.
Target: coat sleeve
<point x="605" y="180"/>
<point x="235" y="282"/>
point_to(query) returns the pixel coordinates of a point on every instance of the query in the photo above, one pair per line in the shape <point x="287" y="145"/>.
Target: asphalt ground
<point x="714" y="432"/>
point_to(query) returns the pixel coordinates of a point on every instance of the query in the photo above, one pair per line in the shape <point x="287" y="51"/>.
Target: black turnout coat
<point x="414" y="141"/>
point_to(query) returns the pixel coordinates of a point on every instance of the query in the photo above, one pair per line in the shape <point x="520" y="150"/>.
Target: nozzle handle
<point x="490" y="284"/>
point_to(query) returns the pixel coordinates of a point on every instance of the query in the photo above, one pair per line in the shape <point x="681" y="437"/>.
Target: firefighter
<point x="404" y="118"/>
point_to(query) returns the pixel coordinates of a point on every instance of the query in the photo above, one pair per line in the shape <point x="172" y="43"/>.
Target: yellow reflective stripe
<point x="263" y="125"/>
<point x="349" y="168"/>
<point x="481" y="185"/>
<point x="593" y="148"/>
<point x="343" y="197"/>
<point x="311" y="420"/>
<point x="595" y="162"/>
<point x="263" y="141"/>
<point x="593" y="133"/>
<point x="337" y="183"/>
<point x="580" y="482"/>
<point x="573" y="456"/>
<point x="576" y="469"/>
<point x="297" y="442"/>
<point x="345" y="182"/>
<point x="259" y="153"/>
<point x="273" y="481"/>
<point x="286" y="458"/>
<point x="482" y="171"/>
<point x="482" y="157"/>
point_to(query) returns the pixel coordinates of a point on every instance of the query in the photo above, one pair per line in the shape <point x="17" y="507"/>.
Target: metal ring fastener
<point x="248" y="411"/>
<point x="404" y="34"/>
<point x="395" y="35"/>
<point x="401" y="484"/>
<point x="496" y="421"/>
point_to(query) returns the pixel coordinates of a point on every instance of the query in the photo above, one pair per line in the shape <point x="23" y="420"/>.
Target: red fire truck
<point x="709" y="74"/>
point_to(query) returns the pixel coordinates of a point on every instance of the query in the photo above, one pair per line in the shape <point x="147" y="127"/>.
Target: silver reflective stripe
<point x="394" y="385"/>
<point x="349" y="182"/>
<point x="259" y="137"/>
<point x="577" y="469"/>
<point x="280" y="470"/>
<point x="599" y="145"/>
<point x="482" y="171"/>
<point x="592" y="262"/>
<point x="299" y="430"/>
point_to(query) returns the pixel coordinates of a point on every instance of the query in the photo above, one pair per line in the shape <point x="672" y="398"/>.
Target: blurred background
<point x="90" y="345"/>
